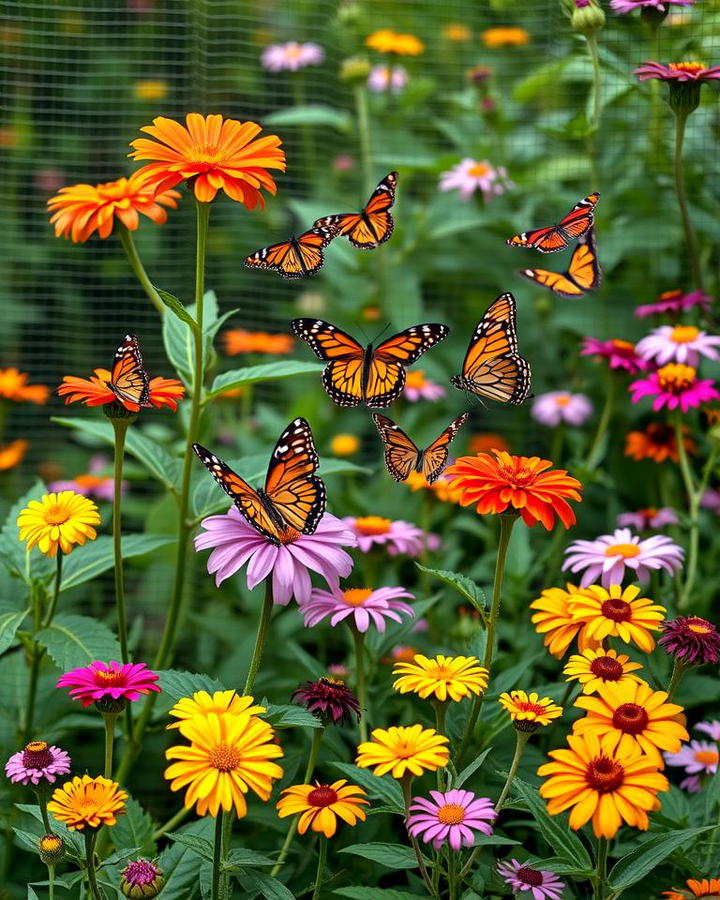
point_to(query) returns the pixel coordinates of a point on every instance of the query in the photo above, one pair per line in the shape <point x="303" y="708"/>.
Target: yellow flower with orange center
<point x="320" y="805"/>
<point x="404" y="749"/>
<point x="633" y="715"/>
<point x="529" y="711"/>
<point x="445" y="677"/>
<point x="58" y="521"/>
<point x="344" y="445"/>
<point x="594" y="668"/>
<point x="387" y="41"/>
<point x="505" y="37"/>
<point x="220" y="703"/>
<point x="596" y="783"/>
<point x="617" y="612"/>
<point x="240" y="341"/>
<point x="555" y="621"/>
<point x="14" y="386"/>
<point x="12" y="454"/>
<point x="87" y="802"/>
<point x="708" y="887"/>
<point x="214" y="154"/>
<point x="675" y="378"/>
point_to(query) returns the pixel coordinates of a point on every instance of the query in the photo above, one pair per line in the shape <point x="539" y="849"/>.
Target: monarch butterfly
<point x="373" y="225"/>
<point x="492" y="366"/>
<point x="355" y="375"/>
<point x="300" y="256"/>
<point x="402" y="455"/>
<point x="583" y="274"/>
<point x="557" y="237"/>
<point x="128" y="380"/>
<point x="293" y="499"/>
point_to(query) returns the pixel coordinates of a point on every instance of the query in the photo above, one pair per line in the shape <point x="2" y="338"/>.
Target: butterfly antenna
<point x="378" y="336"/>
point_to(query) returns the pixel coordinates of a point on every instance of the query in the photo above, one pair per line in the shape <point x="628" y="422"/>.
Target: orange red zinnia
<point x="523" y="483"/>
<point x="212" y="154"/>
<point x="14" y="386"/>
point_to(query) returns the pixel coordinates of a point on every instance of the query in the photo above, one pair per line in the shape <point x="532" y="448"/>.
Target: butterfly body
<point x="297" y="257"/>
<point x="558" y="237"/>
<point x="371" y="375"/>
<point x="583" y="273"/>
<point x="403" y="456"/>
<point x="374" y="224"/>
<point x="128" y="379"/>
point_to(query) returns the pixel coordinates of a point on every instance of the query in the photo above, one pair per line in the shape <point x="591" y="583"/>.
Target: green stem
<point x="306" y="135"/>
<point x="440" y="714"/>
<point x="506" y="527"/>
<point x="260" y="637"/>
<point x="226" y="838"/>
<point x="56" y="590"/>
<point x="217" y="855"/>
<point x="136" y="265"/>
<point x="521" y="739"/>
<point x="171" y="823"/>
<point x="677" y="673"/>
<point x="694" y="494"/>
<point x="109" y="720"/>
<point x="655" y="130"/>
<point x="601" y="871"/>
<point x="359" y="641"/>
<point x="680" y="122"/>
<point x="90" y="837"/>
<point x="594" y="456"/>
<point x="309" y="769"/>
<point x="51" y="882"/>
<point x="120" y="426"/>
<point x="406" y="785"/>
<point x="363" y="129"/>
<point x="591" y="40"/>
<point x="558" y="443"/>
<point x="322" y="857"/>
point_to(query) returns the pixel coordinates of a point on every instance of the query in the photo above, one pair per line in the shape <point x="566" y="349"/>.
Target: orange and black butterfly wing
<point x="245" y="498"/>
<point x="296" y="257"/>
<point x="557" y="237"/>
<point x="291" y="486"/>
<point x="386" y="374"/>
<point x="343" y="374"/>
<point x="128" y="379"/>
<point x="374" y="224"/>
<point x="434" y="459"/>
<point x="583" y="274"/>
<point x="580" y="218"/>
<point x="401" y="453"/>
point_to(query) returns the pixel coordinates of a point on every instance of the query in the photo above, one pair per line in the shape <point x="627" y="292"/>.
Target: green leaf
<point x="356" y="892"/>
<point x="73" y="641"/>
<point x="135" y="829"/>
<point x="554" y="829"/>
<point x="201" y="846"/>
<point x="13" y="552"/>
<point x="175" y="305"/>
<point x="712" y="796"/>
<point x="465" y="586"/>
<point x="176" y="684"/>
<point x="394" y="856"/>
<point x="9" y="624"/>
<point x="470" y="769"/>
<point x="381" y="787"/>
<point x="643" y="859"/>
<point x="179" y="338"/>
<point x="289" y="716"/>
<point x="181" y="865"/>
<point x="74" y="843"/>
<point x="95" y="558"/>
<point x="312" y="114"/>
<point x="274" y="371"/>
<point x="266" y="886"/>
<point x="541" y="80"/>
<point x="240" y="857"/>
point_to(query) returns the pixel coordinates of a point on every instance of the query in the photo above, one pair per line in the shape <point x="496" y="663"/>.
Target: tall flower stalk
<point x="260" y="637"/>
<point x="120" y="427"/>
<point x="681" y="117"/>
<point x="126" y="239"/>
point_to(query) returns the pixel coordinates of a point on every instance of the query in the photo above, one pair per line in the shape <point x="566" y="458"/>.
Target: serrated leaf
<point x="465" y="586"/>
<point x="311" y="114"/>
<point x="74" y="843"/>
<point x="241" y="856"/>
<point x="9" y="624"/>
<point x="135" y="829"/>
<point x="394" y="856"/>
<point x="179" y="339"/>
<point x="201" y="846"/>
<point x="289" y="716"/>
<point x="274" y="371"/>
<point x="470" y="769"/>
<point x="97" y="557"/>
<point x="381" y="787"/>
<point x="73" y="641"/>
<point x="643" y="859"/>
<point x="177" y="684"/>
<point x="181" y="866"/>
<point x="176" y="306"/>
<point x="119" y="855"/>
<point x="266" y="886"/>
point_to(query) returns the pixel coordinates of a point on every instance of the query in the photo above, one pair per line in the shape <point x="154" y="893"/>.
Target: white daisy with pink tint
<point x="291" y="56"/>
<point x="469" y="176"/>
<point x="711" y="728"/>
<point x="678" y="343"/>
<point x="452" y="817"/>
<point x="396" y="535"/>
<point x="609" y="556"/>
<point x="539" y="883"/>
<point x="649" y="517"/>
<point x="556" y="407"/>
<point x="363" y="606"/>
<point x="697" y="758"/>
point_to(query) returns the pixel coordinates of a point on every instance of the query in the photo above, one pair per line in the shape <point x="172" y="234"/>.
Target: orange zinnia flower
<point x="82" y="209"/>
<point x="708" y="887"/>
<point x="96" y="391"/>
<point x="240" y="341"/>
<point x="520" y="482"/>
<point x="505" y="37"/>
<point x="14" y="386"/>
<point x="657" y="442"/>
<point x="11" y="454"/>
<point x="385" y="40"/>
<point x="213" y="154"/>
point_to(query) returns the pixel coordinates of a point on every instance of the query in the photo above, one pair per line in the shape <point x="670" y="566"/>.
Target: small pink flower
<point x="291" y="56"/>
<point x="711" y="728"/>
<point x="555" y="407"/>
<point x="418" y="387"/>
<point x="619" y="354"/>
<point x="343" y="162"/>
<point x="235" y="543"/>
<point x="452" y="817"/>
<point x="610" y="555"/>
<point x="628" y="6"/>
<point x="711" y="500"/>
<point x="364" y="606"/>
<point x="697" y="758"/>
<point x="643" y="519"/>
<point x="469" y="176"/>
<point x="682" y="71"/>
<point x="681" y="343"/>
<point x="543" y="885"/>
<point x="674" y="302"/>
<point x="387" y="78"/>
<point x="37" y="762"/>
<point x="396" y="536"/>
<point x="112" y="680"/>
<point x="674" y="385"/>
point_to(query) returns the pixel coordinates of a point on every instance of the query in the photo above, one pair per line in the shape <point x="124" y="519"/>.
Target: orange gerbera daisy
<point x="708" y="887"/>
<point x="239" y="341"/>
<point x="96" y="391"/>
<point x="14" y="386"/>
<point x="557" y="623"/>
<point x="656" y="442"/>
<point x="213" y="154"/>
<point x="80" y="210"/>
<point x="11" y="454"/>
<point x="522" y="483"/>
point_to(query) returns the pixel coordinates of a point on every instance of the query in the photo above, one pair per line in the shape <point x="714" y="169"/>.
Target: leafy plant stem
<point x="406" y="785"/>
<point x="120" y="427"/>
<point x="363" y="130"/>
<point x="677" y="673"/>
<point x="136" y="265"/>
<point x="56" y="590"/>
<point x="591" y="40"/>
<point x="681" y="117"/>
<point x="521" y="739"/>
<point x="594" y="456"/>
<point x="90" y="837"/>
<point x="322" y="857"/>
<point x="260" y="637"/>
<point x="359" y="641"/>
<point x="217" y="855"/>
<point x="600" y="880"/>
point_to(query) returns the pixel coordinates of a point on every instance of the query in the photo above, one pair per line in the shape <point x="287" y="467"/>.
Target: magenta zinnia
<point x="37" y="762"/>
<point x="674" y="385"/>
<point x="329" y="700"/>
<point x="113" y="680"/>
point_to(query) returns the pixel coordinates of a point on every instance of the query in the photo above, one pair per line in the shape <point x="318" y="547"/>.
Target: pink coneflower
<point x="37" y="762"/>
<point x="690" y="639"/>
<point x="619" y="354"/>
<point x="628" y="6"/>
<point x="679" y="343"/>
<point x="102" y="681"/>
<point x="235" y="543"/>
<point x="92" y="484"/>
<point x="387" y="78"/>
<point x="363" y="605"/>
<point x="542" y="884"/>
<point x="674" y="385"/>
<point x="710" y="728"/>
<point x="674" y="302"/>
<point x="452" y="817"/>
<point x="697" y="758"/>
<point x="649" y="517"/>
<point x="291" y="56"/>
<point x="396" y="536"/>
<point x="469" y="176"/>
<point x="674" y="72"/>
<point x="418" y="387"/>
<point x="556" y="407"/>
<point x="608" y="556"/>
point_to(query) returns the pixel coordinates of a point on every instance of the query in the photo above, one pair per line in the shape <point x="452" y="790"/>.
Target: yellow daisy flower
<point x="528" y="711"/>
<point x="387" y="41"/>
<point x="202" y="704"/>
<point x="87" y="802"/>
<point x="593" y="668"/>
<point x="555" y="621"/>
<point x="320" y="805"/>
<point x="447" y="677"/>
<point x="617" y="612"/>
<point x="58" y="521"/>
<point x="398" y="750"/>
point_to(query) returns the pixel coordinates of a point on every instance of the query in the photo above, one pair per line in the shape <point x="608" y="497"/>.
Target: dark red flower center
<point x="607" y="668"/>
<point x="323" y="795"/>
<point x="604" y="775"/>
<point x="616" y="609"/>
<point x="529" y="876"/>
<point x="630" y="718"/>
<point x="37" y="755"/>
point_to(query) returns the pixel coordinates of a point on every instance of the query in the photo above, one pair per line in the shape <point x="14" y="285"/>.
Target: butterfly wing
<point x="374" y="224"/>
<point x="583" y="275"/>
<point x="434" y="459"/>
<point x="386" y="371"/>
<point x="296" y="493"/>
<point x="580" y="218"/>
<point x="128" y="379"/>
<point x="401" y="453"/>
<point x="342" y="376"/>
<point x="294" y="258"/>
<point x="557" y="237"/>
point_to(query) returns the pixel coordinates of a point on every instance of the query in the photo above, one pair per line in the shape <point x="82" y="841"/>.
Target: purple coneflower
<point x="619" y="354"/>
<point x="608" y="557"/>
<point x="697" y="758"/>
<point x="628" y="6"/>
<point x="469" y="176"/>
<point x="452" y="817"/>
<point x="37" y="762"/>
<point x="674" y="302"/>
<point x="691" y="640"/>
<point x="711" y="728"/>
<point x="543" y="885"/>
<point x="362" y="605"/>
<point x="648" y="517"/>
<point x="556" y="407"/>
<point x="396" y="536"/>
<point x="679" y="343"/>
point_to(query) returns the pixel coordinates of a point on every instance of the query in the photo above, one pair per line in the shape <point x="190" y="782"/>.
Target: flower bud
<point x="51" y="849"/>
<point x="587" y="17"/>
<point x="354" y="70"/>
<point x="141" y="879"/>
<point x="110" y="705"/>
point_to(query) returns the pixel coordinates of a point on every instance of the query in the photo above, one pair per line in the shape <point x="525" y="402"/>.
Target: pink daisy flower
<point x="649" y="517"/>
<point x="396" y="536"/>
<point x="608" y="556"/>
<point x="679" y="343"/>
<point x="469" y="176"/>
<point x="365" y="606"/>
<point x="543" y="885"/>
<point x="673" y="72"/>
<point x="291" y="56"/>
<point x="555" y="407"/>
<point x="418" y="387"/>
<point x="674" y="302"/>
<point x="387" y="78"/>
<point x="619" y="354"/>
<point x="628" y="6"/>
<point x="452" y="817"/>
<point x="711" y="728"/>
<point x="235" y="543"/>
<point x="37" y="762"/>
<point x="100" y="681"/>
<point x="697" y="758"/>
<point x="674" y="385"/>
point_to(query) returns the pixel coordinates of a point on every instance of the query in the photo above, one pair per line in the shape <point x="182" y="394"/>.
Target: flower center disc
<point x="322" y="796"/>
<point x="37" y="755"/>
<point x="451" y="814"/>
<point x="692" y="67"/>
<point x="356" y="596"/>
<point x="607" y="668"/>
<point x="627" y="551"/>
<point x="707" y="757"/>
<point x="562" y="400"/>
<point x="109" y="679"/>
<point x="605" y="775"/>
<point x="224" y="758"/>
<point x="684" y="334"/>
<point x="698" y="626"/>
<point x="529" y="876"/>
<point x="630" y="718"/>
<point x="56" y="515"/>
<point x="478" y="170"/>
<point x="616" y="609"/>
<point x="676" y="377"/>
<point x="372" y="524"/>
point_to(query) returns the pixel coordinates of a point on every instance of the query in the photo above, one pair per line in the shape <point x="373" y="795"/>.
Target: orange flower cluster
<point x="240" y="341"/>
